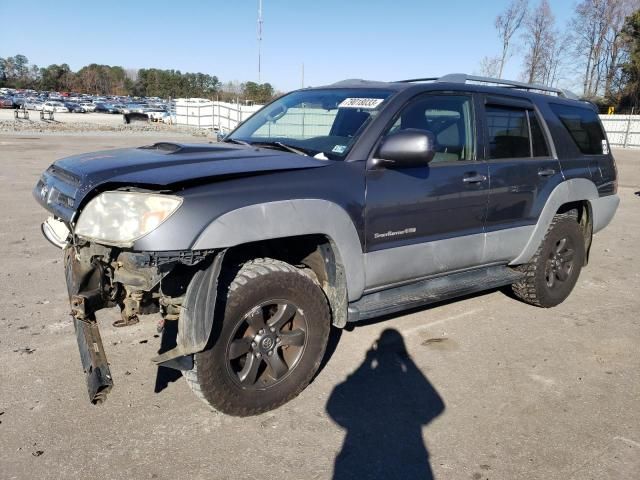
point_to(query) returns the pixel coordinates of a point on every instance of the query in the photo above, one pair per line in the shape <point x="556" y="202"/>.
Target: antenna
<point x="259" y="37"/>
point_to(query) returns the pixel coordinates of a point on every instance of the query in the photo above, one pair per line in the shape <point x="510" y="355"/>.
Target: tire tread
<point x="199" y="377"/>
<point x="526" y="289"/>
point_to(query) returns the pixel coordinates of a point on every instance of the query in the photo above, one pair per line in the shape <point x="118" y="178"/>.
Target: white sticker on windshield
<point x="605" y="147"/>
<point x="339" y="149"/>
<point x="360" y="102"/>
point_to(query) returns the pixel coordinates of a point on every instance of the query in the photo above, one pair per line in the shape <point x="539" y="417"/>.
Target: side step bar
<point x="431" y="290"/>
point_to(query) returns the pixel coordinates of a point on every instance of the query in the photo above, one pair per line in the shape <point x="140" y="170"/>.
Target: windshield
<point x="321" y="123"/>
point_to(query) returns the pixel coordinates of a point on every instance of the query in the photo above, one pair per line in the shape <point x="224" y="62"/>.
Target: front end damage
<point x="139" y="283"/>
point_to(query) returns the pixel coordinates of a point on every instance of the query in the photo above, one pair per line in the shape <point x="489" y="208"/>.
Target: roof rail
<point x="464" y="78"/>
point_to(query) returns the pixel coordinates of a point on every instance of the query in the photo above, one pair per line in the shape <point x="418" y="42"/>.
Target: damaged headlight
<point x="120" y="218"/>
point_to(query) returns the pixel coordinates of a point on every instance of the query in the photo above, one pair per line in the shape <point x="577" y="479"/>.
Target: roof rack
<point x="464" y="78"/>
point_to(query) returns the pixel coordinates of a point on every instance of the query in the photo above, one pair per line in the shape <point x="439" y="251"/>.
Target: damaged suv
<point x="328" y="206"/>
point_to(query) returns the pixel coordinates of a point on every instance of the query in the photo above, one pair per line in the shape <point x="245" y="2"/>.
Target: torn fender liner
<point x="196" y="318"/>
<point x="94" y="360"/>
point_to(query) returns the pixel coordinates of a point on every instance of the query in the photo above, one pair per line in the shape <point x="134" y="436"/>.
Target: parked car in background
<point x="88" y="106"/>
<point x="18" y="101"/>
<point x="105" y="108"/>
<point x="120" y="108"/>
<point x="74" y="107"/>
<point x="156" y="114"/>
<point x="134" y="108"/>
<point x="6" y="102"/>
<point x="57" y="107"/>
<point x="33" y="104"/>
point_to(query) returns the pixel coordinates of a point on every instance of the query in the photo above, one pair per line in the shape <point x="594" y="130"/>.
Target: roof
<point x="470" y="82"/>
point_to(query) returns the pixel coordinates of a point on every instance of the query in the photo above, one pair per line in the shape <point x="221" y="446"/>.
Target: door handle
<point x="474" y="178"/>
<point x="546" y="172"/>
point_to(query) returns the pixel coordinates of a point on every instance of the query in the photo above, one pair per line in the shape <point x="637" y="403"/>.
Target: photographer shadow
<point x="383" y="406"/>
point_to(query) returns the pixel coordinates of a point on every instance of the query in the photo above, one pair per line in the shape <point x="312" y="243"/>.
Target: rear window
<point x="514" y="133"/>
<point x="584" y="127"/>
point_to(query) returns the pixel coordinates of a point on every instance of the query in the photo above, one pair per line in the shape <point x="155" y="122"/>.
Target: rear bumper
<point x="603" y="210"/>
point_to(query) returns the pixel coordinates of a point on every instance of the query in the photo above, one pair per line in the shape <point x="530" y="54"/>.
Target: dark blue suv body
<point x="329" y="205"/>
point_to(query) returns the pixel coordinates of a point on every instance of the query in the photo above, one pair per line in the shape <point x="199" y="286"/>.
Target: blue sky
<point x="335" y="39"/>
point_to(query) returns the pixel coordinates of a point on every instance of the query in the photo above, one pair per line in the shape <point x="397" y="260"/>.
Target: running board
<point x="431" y="290"/>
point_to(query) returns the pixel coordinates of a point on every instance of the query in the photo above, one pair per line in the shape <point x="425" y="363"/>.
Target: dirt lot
<point x="95" y="123"/>
<point x="491" y="388"/>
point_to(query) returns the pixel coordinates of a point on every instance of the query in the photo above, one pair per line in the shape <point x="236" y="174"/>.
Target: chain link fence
<point x="211" y="115"/>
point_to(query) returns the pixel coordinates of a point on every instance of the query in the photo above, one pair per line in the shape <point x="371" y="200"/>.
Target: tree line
<point x="597" y="53"/>
<point x="17" y="72"/>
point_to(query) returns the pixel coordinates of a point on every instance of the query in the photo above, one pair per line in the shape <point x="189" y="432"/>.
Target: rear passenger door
<point x="523" y="171"/>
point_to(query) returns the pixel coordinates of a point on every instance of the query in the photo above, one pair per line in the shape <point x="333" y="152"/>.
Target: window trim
<point x="473" y="116"/>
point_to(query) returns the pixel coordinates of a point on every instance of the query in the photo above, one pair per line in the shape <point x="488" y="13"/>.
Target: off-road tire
<point x="257" y="281"/>
<point x="533" y="288"/>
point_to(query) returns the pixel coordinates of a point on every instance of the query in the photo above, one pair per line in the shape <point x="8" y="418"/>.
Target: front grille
<point x="61" y="199"/>
<point x="57" y="190"/>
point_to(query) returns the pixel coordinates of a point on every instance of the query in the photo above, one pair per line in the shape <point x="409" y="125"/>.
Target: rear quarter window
<point x="583" y="126"/>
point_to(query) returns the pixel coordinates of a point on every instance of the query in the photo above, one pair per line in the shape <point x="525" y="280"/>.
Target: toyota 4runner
<point x="328" y="206"/>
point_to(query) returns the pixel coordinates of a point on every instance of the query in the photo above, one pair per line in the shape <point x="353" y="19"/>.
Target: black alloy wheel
<point x="560" y="262"/>
<point x="267" y="344"/>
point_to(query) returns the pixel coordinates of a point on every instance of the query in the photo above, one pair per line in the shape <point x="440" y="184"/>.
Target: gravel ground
<point x="488" y="388"/>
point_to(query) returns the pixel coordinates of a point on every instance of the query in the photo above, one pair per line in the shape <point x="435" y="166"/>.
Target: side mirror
<point x="407" y="148"/>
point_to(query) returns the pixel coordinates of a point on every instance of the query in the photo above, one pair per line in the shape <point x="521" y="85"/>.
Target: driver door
<point x="422" y="221"/>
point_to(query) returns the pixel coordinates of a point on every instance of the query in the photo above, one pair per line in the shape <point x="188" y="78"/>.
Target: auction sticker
<point x="360" y="102"/>
<point x="339" y="149"/>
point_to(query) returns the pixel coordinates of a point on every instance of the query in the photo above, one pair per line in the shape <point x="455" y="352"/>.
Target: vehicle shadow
<point x="164" y="375"/>
<point x="383" y="407"/>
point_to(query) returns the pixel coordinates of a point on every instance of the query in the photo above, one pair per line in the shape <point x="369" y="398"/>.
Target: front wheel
<point x="554" y="269"/>
<point x="270" y="343"/>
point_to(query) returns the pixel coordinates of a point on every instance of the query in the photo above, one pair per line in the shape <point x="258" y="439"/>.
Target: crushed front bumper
<point x="94" y="360"/>
<point x="101" y="277"/>
<point x="86" y="296"/>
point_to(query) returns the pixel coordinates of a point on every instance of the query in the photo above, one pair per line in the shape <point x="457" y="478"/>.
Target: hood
<point x="68" y="181"/>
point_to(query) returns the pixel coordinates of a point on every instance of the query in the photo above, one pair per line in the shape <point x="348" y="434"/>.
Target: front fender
<point x="289" y="218"/>
<point x="195" y="325"/>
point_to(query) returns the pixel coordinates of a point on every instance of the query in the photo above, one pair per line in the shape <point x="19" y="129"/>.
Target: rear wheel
<point x="554" y="269"/>
<point x="270" y="343"/>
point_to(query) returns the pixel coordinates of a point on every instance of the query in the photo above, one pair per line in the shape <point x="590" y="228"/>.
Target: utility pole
<point x="259" y="39"/>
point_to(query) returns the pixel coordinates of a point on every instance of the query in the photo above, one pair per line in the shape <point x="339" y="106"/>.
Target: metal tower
<point x="259" y="38"/>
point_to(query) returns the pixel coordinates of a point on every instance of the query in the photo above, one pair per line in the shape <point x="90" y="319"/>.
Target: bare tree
<point x="596" y="26"/>
<point x="490" y="67"/>
<point x="614" y="43"/>
<point x="555" y="57"/>
<point x="507" y="24"/>
<point x="539" y="39"/>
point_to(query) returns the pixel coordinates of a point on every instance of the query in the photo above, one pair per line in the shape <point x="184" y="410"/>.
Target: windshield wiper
<point x="235" y="140"/>
<point x="282" y="146"/>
